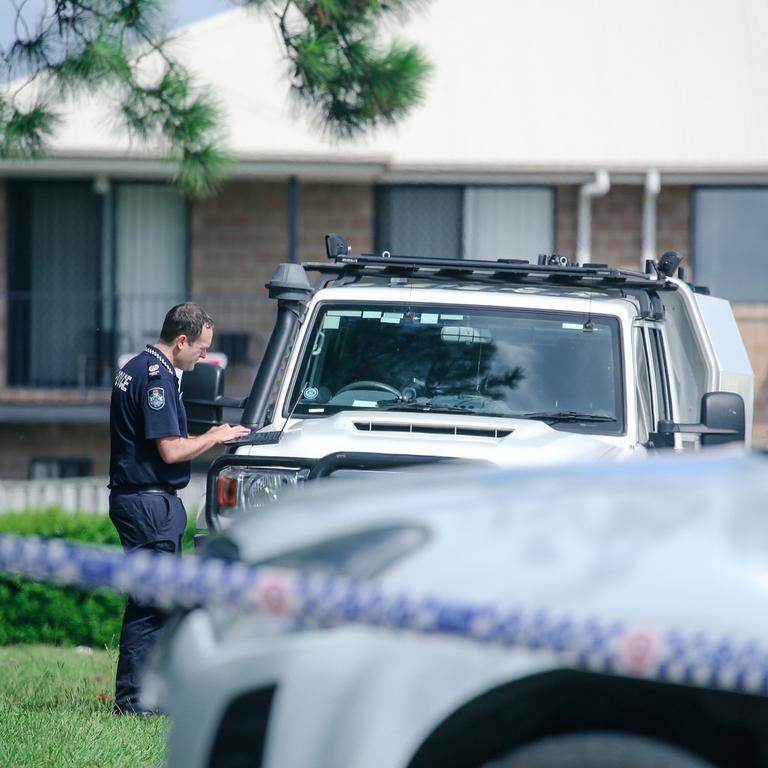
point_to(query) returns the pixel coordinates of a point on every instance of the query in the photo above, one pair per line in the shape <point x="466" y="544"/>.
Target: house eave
<point x="377" y="169"/>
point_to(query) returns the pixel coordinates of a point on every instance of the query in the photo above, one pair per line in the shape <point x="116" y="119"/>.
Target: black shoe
<point x="135" y="711"/>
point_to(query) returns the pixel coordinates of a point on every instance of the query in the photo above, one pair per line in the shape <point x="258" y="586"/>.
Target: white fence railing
<point x="78" y="495"/>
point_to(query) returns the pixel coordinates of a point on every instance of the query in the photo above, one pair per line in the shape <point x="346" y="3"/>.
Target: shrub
<point x="58" y="524"/>
<point x="32" y="612"/>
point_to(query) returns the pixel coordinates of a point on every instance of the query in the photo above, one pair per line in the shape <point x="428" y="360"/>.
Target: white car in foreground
<point x="662" y="564"/>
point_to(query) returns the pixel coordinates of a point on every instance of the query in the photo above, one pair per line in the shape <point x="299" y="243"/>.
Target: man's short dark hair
<point x="188" y="319"/>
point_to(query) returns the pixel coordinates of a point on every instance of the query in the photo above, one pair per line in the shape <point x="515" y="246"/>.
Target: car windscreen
<point x="558" y="367"/>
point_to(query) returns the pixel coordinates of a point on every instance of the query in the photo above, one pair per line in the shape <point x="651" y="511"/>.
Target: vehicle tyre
<point x="599" y="750"/>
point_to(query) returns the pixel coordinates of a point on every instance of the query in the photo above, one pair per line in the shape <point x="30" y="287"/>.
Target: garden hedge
<point x="31" y="612"/>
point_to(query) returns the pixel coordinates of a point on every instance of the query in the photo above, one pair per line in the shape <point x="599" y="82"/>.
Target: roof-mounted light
<point x="668" y="263"/>
<point x="336" y="245"/>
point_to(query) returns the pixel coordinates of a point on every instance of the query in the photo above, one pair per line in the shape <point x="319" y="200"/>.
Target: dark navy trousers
<point x="144" y="520"/>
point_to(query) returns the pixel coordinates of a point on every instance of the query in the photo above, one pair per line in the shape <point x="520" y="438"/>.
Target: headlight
<point x="240" y="489"/>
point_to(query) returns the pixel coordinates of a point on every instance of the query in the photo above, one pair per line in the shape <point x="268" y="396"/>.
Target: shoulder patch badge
<point x="153" y="371"/>
<point x="156" y="398"/>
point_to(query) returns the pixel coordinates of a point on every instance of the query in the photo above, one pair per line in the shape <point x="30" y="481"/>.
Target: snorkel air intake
<point x="290" y="286"/>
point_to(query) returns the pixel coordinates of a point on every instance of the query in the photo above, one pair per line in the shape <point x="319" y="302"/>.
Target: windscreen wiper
<point x="429" y="408"/>
<point x="562" y="416"/>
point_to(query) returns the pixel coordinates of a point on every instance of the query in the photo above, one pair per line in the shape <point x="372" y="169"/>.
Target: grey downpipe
<point x="650" y="197"/>
<point x="597" y="188"/>
<point x="289" y="285"/>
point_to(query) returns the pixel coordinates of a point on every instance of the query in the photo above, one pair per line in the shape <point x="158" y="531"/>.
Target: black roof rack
<point x="345" y="265"/>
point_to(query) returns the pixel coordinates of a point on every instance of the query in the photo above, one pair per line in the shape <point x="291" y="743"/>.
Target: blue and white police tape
<point x="168" y="581"/>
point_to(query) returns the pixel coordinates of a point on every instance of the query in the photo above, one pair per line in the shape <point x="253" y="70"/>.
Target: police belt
<point x="156" y="488"/>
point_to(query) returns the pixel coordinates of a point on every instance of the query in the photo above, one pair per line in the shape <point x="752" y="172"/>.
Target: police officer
<point x="149" y="462"/>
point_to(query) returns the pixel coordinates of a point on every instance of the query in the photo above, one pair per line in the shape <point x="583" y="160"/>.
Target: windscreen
<point x="559" y="367"/>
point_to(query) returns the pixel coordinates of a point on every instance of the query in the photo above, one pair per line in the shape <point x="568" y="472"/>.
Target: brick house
<point x="587" y="133"/>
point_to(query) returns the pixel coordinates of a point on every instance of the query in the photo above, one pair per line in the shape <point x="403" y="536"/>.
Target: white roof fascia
<point x="145" y="168"/>
<point x="368" y="172"/>
<point x="84" y="166"/>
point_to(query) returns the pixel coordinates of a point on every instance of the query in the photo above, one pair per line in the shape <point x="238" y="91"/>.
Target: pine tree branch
<point x="336" y="69"/>
<point x="339" y="71"/>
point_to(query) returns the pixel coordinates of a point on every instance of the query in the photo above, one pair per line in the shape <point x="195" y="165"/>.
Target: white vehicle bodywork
<point x="701" y="351"/>
<point x="672" y="543"/>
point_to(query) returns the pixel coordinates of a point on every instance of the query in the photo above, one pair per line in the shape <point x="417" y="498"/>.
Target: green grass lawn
<point x="56" y="711"/>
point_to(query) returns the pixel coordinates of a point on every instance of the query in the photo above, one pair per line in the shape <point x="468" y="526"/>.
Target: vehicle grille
<point x="432" y="429"/>
<point x="242" y="732"/>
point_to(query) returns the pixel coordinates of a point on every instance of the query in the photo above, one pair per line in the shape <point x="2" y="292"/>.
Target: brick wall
<point x="19" y="443"/>
<point x="616" y="227"/>
<point x="565" y="224"/>
<point x="617" y="224"/>
<point x="673" y="223"/>
<point x="346" y="209"/>
<point x="239" y="236"/>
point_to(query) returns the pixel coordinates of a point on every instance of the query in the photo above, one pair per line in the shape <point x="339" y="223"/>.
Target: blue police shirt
<point x="146" y="404"/>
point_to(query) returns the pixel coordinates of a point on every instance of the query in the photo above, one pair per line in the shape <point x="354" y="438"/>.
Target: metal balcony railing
<point x="74" y="340"/>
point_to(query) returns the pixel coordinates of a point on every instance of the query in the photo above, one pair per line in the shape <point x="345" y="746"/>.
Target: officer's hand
<point x="226" y="432"/>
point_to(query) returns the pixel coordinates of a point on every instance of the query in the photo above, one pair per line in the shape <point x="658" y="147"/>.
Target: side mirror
<point x="202" y="391"/>
<point x="723" y="420"/>
<point x="723" y="413"/>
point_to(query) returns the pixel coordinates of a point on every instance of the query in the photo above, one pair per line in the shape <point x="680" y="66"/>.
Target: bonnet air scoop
<point x="493" y="433"/>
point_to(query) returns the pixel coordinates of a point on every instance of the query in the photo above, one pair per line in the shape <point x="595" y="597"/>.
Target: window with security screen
<point x="419" y="221"/>
<point x="730" y="232"/>
<point x="465" y="222"/>
<point x="89" y="274"/>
